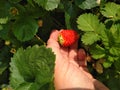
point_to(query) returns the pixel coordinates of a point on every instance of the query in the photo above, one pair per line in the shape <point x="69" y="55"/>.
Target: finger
<point x="82" y="63"/>
<point x="56" y="48"/>
<point x="99" y="86"/>
<point x="54" y="35"/>
<point x="73" y="51"/>
<point x="82" y="57"/>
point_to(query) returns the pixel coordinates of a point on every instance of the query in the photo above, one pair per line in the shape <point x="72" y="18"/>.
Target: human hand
<point x="70" y="72"/>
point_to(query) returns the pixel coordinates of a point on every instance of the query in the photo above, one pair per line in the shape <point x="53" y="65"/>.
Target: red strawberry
<point x="67" y="37"/>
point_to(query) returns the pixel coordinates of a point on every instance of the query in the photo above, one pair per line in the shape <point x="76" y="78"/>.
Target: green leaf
<point x="88" y="22"/>
<point x="34" y="65"/>
<point x="3" y="66"/>
<point x="31" y="2"/>
<point x="28" y="86"/>
<point x="113" y="83"/>
<point x="4" y="58"/>
<point x="118" y="13"/>
<point x="3" y="20"/>
<point x="117" y="64"/>
<point x="89" y="38"/>
<point x="103" y="33"/>
<point x="15" y="78"/>
<point x="48" y="4"/>
<point x="105" y="39"/>
<point x="110" y="10"/>
<point x="67" y="20"/>
<point x="107" y="64"/>
<point x="115" y="30"/>
<point x="4" y="31"/>
<point x="86" y="4"/>
<point x="114" y="51"/>
<point x="7" y="34"/>
<point x="15" y="1"/>
<point x="97" y="52"/>
<point x="25" y="28"/>
<point x="50" y="86"/>
<point x="1" y="27"/>
<point x="68" y="13"/>
<point x="111" y="58"/>
<point x="4" y="8"/>
<point x="71" y="12"/>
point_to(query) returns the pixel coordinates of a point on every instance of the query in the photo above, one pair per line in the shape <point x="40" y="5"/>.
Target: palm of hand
<point x="69" y="73"/>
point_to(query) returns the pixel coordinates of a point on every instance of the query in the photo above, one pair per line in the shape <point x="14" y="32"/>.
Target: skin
<point x="70" y="72"/>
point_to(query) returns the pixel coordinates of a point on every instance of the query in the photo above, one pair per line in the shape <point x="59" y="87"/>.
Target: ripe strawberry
<point x="67" y="37"/>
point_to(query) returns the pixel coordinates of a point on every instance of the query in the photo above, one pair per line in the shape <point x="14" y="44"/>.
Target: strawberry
<point x="67" y="37"/>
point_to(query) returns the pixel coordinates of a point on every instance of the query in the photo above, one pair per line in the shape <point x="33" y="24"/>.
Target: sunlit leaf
<point x="97" y="51"/>
<point x="114" y="51"/>
<point x="89" y="38"/>
<point x="86" y="4"/>
<point x="115" y="30"/>
<point x="110" y="10"/>
<point x="107" y="64"/>
<point x="48" y="4"/>
<point x="3" y="20"/>
<point x="88" y="22"/>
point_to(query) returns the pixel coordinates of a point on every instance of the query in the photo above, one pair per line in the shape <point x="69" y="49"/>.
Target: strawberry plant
<point x="25" y="26"/>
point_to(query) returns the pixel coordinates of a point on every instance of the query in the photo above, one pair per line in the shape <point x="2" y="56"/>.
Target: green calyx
<point x="60" y="40"/>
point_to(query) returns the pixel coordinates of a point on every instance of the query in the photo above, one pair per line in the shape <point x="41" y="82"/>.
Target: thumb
<point x="52" y="42"/>
<point x="54" y="45"/>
